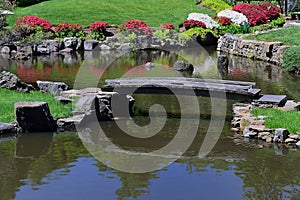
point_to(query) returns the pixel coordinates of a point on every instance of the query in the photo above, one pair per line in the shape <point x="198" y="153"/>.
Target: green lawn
<point x="280" y="119"/>
<point x="154" y="12"/>
<point x="287" y="35"/>
<point x="9" y="97"/>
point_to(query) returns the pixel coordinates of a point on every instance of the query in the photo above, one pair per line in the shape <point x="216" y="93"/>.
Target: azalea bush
<point x="223" y="20"/>
<point x="98" y="30"/>
<point x="69" y="30"/>
<point x="192" y="24"/>
<point x="254" y="13"/>
<point x="138" y="27"/>
<point x="271" y="10"/>
<point x="28" y="25"/>
<point x="167" y="26"/>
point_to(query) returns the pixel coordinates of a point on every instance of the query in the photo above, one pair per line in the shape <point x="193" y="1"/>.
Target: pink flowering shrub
<point x="167" y="26"/>
<point x="272" y="11"/>
<point x="193" y="23"/>
<point x="28" y="25"/>
<point x="137" y="26"/>
<point x="98" y="30"/>
<point x="69" y="30"/>
<point x="254" y="13"/>
<point x="223" y="20"/>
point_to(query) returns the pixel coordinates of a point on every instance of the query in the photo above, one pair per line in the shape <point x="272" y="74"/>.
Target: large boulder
<point x="71" y="42"/>
<point x="281" y="135"/>
<point x="34" y="117"/>
<point x="89" y="45"/>
<point x="54" y="88"/>
<point x="236" y="17"/>
<point x="12" y="82"/>
<point x="207" y="20"/>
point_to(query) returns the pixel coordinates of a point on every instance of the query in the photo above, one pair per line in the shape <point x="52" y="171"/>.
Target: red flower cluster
<point x="33" y="22"/>
<point x="254" y="13"/>
<point x="271" y="10"/>
<point x="223" y="20"/>
<point x="137" y="26"/>
<point x="99" y="26"/>
<point x="167" y="26"/>
<point x="68" y="27"/>
<point x="193" y="23"/>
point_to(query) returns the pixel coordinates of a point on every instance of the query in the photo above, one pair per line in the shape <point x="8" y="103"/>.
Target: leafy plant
<point x="162" y="33"/>
<point x="279" y="22"/>
<point x="196" y="32"/>
<point x="291" y="59"/>
<point x="235" y="29"/>
<point x="254" y="13"/>
<point x="7" y="4"/>
<point x="98" y="30"/>
<point x="69" y="30"/>
<point x="193" y="23"/>
<point x="223" y="20"/>
<point x="28" y="25"/>
<point x="271" y="10"/>
<point x="138" y="27"/>
<point x="216" y="5"/>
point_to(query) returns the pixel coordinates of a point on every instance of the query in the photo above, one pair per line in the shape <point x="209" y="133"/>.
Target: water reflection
<point x="234" y="168"/>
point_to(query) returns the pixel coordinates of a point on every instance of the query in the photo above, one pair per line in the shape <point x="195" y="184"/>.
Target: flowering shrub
<point x="69" y="30"/>
<point x="193" y="23"/>
<point x="254" y="13"/>
<point x="167" y="26"/>
<point x="138" y="27"/>
<point x="34" y="22"/>
<point x="98" y="30"/>
<point x="271" y="10"/>
<point x="223" y="20"/>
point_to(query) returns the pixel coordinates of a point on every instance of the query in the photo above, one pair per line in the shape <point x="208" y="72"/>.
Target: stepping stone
<point x="279" y="100"/>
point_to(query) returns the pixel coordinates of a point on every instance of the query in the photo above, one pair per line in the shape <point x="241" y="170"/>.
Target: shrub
<point x="163" y="33"/>
<point x="138" y="27"/>
<point x="271" y="10"/>
<point x="198" y="31"/>
<point x="254" y="13"/>
<point x="235" y="29"/>
<point x="167" y="26"/>
<point x="7" y="4"/>
<point x="69" y="30"/>
<point x="223" y="20"/>
<point x="192" y="24"/>
<point x="279" y="22"/>
<point x="28" y="25"/>
<point x="291" y="59"/>
<point x="98" y="30"/>
<point x="216" y="5"/>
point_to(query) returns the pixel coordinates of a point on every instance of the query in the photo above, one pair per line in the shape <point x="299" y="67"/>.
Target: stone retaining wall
<point x="267" y="51"/>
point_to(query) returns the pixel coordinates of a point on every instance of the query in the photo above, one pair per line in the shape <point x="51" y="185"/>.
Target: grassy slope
<point x="280" y="119"/>
<point x="9" y="97"/>
<point x="154" y="12"/>
<point x="288" y="35"/>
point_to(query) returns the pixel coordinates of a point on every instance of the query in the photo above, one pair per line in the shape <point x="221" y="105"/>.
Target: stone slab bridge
<point x="234" y="90"/>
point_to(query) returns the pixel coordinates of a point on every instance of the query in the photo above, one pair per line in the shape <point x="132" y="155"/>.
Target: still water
<point x="65" y="165"/>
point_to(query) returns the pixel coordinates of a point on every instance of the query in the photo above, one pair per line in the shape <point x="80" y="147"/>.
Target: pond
<point x="75" y="166"/>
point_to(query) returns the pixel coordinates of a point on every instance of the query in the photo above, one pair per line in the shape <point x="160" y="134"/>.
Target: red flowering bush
<point x="137" y="26"/>
<point x="98" y="26"/>
<point x="69" y="30"/>
<point x="271" y="10"/>
<point x="254" y="13"/>
<point x="34" y="22"/>
<point x="223" y="20"/>
<point x="167" y="26"/>
<point x="193" y="23"/>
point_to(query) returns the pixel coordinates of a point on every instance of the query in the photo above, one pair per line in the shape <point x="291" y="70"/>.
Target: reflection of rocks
<point x="34" y="117"/>
<point x="69" y="124"/>
<point x="12" y="82"/>
<point x="54" y="88"/>
<point x="183" y="66"/>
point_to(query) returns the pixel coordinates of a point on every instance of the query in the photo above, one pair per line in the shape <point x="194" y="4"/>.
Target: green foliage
<point x="96" y="36"/>
<point x="127" y="37"/>
<point x="263" y="27"/>
<point x="154" y="12"/>
<point x="37" y="36"/>
<point x="279" y="22"/>
<point x="235" y="29"/>
<point x="216" y="5"/>
<point x="291" y="59"/>
<point x="280" y="119"/>
<point x="23" y="3"/>
<point x="9" y="97"/>
<point x="201" y="32"/>
<point x="163" y="33"/>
